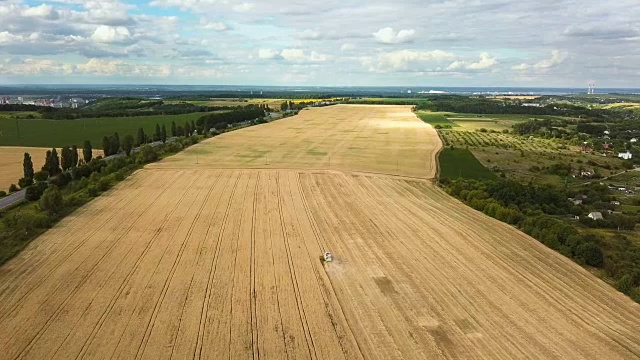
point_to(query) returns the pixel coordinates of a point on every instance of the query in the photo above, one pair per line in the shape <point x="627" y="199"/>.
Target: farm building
<point x="615" y="203"/>
<point x="625" y="155"/>
<point x="634" y="140"/>
<point x="596" y="215"/>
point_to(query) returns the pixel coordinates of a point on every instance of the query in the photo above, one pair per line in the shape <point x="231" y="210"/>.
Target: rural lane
<point x="18" y="196"/>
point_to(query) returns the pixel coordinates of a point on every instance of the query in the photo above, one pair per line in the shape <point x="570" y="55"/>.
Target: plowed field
<point x="185" y="260"/>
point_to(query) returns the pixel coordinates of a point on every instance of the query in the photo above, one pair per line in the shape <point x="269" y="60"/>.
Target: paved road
<point x="18" y="196"/>
<point x="12" y="199"/>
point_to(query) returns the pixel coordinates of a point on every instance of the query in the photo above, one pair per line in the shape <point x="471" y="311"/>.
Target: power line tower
<point x="592" y="88"/>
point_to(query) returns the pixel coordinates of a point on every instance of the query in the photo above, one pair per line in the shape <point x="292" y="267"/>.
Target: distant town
<point x="59" y="102"/>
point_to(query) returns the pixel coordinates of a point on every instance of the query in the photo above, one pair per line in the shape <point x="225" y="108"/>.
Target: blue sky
<point x="331" y="42"/>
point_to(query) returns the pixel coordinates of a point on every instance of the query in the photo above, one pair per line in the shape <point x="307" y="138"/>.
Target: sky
<point x="551" y="43"/>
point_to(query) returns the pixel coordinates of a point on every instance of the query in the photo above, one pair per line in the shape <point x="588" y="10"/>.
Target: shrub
<point x="51" y="200"/>
<point x="147" y="154"/>
<point x="92" y="191"/>
<point x="625" y="284"/>
<point x="34" y="192"/>
<point x="41" y="176"/>
<point x="3" y="193"/>
<point x="590" y="254"/>
<point x="25" y="221"/>
<point x="61" y="180"/>
<point x="104" y="184"/>
<point x="13" y="188"/>
<point x="24" y="182"/>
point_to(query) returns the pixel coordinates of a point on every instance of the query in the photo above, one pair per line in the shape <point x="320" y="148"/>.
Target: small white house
<point x="634" y="140"/>
<point x="596" y="215"/>
<point x="615" y="203"/>
<point x="625" y="155"/>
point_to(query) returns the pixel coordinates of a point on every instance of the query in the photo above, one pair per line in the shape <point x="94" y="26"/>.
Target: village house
<point x="625" y="155"/>
<point x="595" y="215"/>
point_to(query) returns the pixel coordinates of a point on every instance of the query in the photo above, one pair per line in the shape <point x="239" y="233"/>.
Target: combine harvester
<point x="328" y="257"/>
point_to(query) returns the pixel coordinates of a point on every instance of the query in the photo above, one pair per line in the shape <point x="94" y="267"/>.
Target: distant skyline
<point x="559" y="43"/>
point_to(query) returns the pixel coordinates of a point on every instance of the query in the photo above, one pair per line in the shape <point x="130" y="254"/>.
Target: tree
<point x="163" y="134"/>
<point x="106" y="146"/>
<point x="41" y="176"/>
<point x="65" y="158"/>
<point x="174" y="130"/>
<point x="54" y="163"/>
<point x="74" y="156"/>
<point x="148" y="154"/>
<point x="51" y="200"/>
<point x="193" y="127"/>
<point x="157" y="134"/>
<point x="127" y="144"/>
<point x="141" y="137"/>
<point x="591" y="254"/>
<point x="187" y="129"/>
<point x="27" y="166"/>
<point x="115" y="143"/>
<point x="87" y="151"/>
<point x="25" y="182"/>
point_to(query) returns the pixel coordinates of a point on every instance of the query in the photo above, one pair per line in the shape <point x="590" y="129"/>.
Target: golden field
<point x="212" y="254"/>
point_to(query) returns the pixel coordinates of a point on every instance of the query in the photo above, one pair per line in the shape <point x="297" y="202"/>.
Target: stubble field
<point x="193" y="261"/>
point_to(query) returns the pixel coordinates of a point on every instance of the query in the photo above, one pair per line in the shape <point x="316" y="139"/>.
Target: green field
<point x="460" y="163"/>
<point x="58" y="133"/>
<point x="435" y="119"/>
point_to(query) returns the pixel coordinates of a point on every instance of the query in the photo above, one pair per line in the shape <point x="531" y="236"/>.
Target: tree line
<point x="542" y="211"/>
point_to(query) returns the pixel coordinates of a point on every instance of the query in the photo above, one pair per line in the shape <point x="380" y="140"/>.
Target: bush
<point x="34" y="192"/>
<point x="24" y="182"/>
<point x="104" y="184"/>
<point x="147" y="154"/>
<point x="625" y="284"/>
<point x="51" y="200"/>
<point x="590" y="254"/>
<point x="82" y="171"/>
<point x="41" y="176"/>
<point x="24" y="221"/>
<point x="13" y="188"/>
<point x="92" y="191"/>
<point x="61" y="180"/>
<point x="3" y="193"/>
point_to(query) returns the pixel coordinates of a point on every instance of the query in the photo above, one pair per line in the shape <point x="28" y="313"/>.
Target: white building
<point x="625" y="155"/>
<point x="595" y="215"/>
<point x="634" y="140"/>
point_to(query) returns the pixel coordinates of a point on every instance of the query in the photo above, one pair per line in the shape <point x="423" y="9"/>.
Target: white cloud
<point x="7" y="37"/>
<point x="347" y="47"/>
<point x="32" y="66"/>
<point x="293" y="55"/>
<point x="309" y="35"/>
<point x="404" y="60"/>
<point x="268" y="54"/>
<point x="542" y="66"/>
<point x="214" y="25"/>
<point x="43" y="11"/>
<point x="390" y="36"/>
<point x="111" y="34"/>
<point x="243" y="7"/>
<point x="486" y="61"/>
<point x="521" y="67"/>
<point x="557" y="58"/>
<point x="100" y="67"/>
